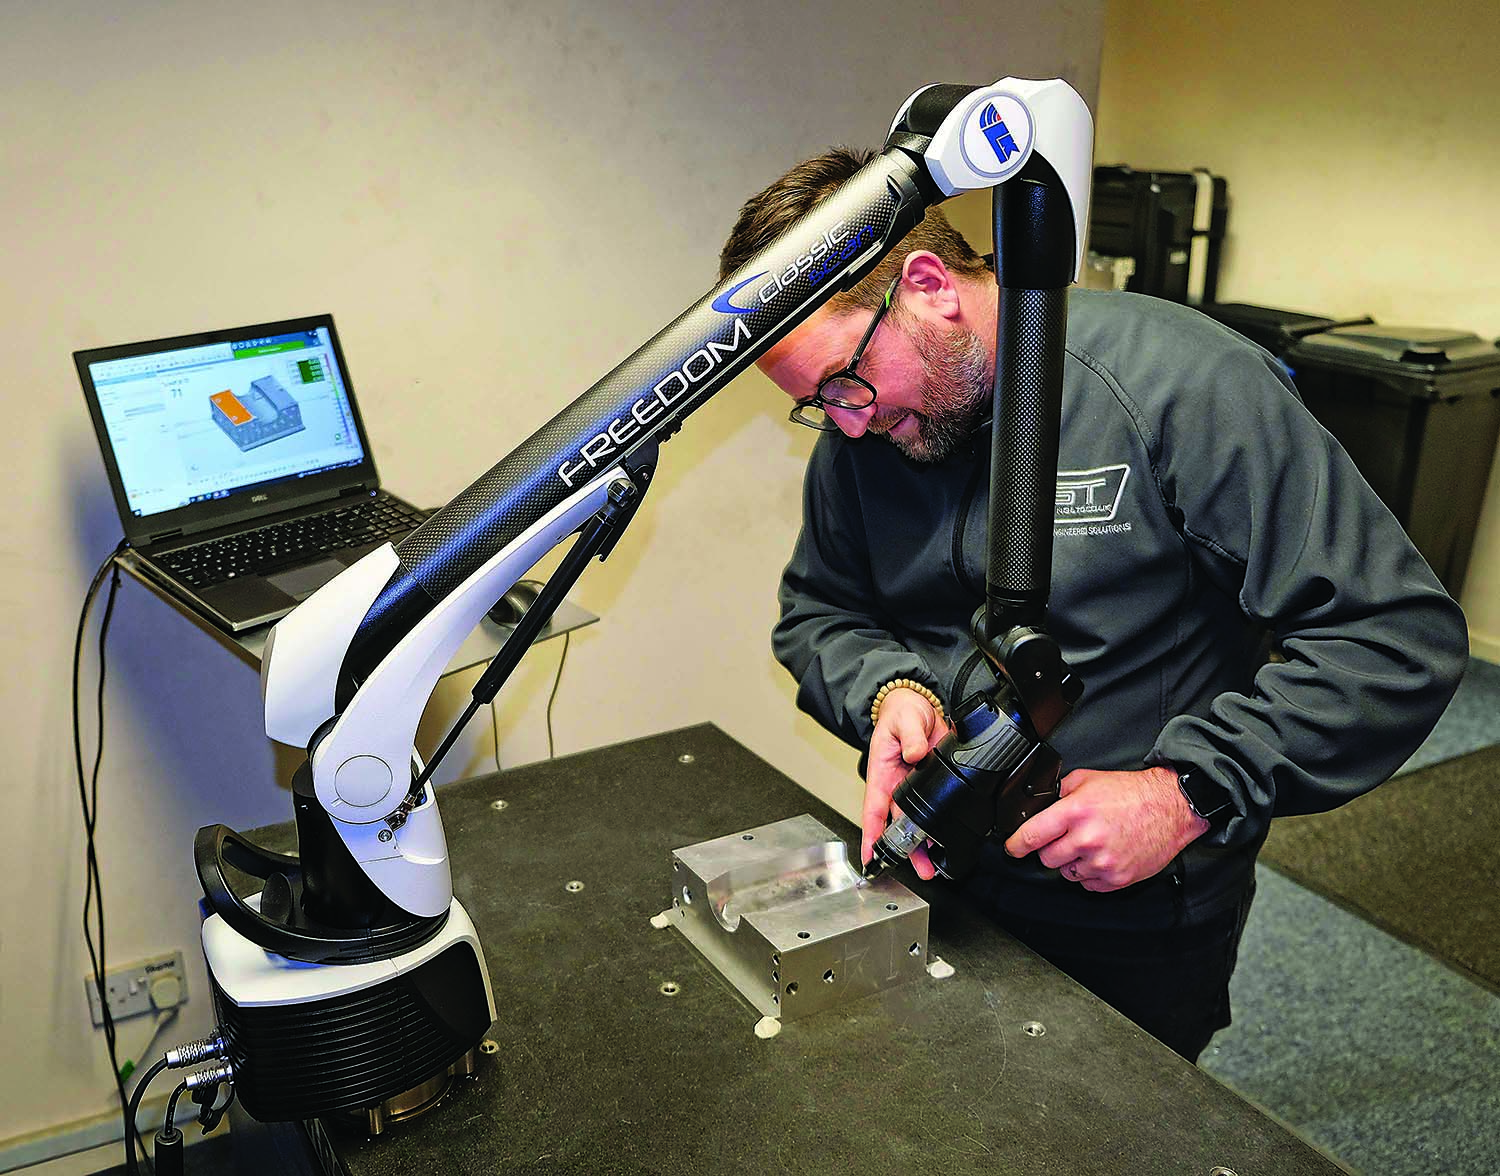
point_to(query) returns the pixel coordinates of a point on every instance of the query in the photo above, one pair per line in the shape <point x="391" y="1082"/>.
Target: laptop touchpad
<point x="300" y="583"/>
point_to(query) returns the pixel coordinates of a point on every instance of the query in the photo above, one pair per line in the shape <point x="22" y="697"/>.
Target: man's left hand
<point x="1111" y="829"/>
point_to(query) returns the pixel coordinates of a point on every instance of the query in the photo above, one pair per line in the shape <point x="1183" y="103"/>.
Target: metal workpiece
<point x="790" y="924"/>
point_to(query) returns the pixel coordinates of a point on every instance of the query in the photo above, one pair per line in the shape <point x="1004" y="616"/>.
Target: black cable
<point x="88" y="796"/>
<point x="133" y="1109"/>
<point x="169" y="1140"/>
<point x="172" y="1106"/>
<point x="495" y="734"/>
<point x="556" y="682"/>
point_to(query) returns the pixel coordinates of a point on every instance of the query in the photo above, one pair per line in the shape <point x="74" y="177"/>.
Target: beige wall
<point x="498" y="201"/>
<point x="1359" y="143"/>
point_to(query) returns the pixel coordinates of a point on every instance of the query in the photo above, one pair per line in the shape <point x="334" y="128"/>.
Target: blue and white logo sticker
<point x="998" y="135"/>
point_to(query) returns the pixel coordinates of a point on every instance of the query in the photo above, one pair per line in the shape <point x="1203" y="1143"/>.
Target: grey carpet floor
<point x="1415" y="857"/>
<point x="1364" y="1045"/>
<point x="1373" y="1049"/>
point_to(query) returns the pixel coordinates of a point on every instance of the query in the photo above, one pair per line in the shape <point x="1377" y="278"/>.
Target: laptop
<point x="239" y="464"/>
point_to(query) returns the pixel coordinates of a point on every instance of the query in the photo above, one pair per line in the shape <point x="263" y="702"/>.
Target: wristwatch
<point x="1207" y="799"/>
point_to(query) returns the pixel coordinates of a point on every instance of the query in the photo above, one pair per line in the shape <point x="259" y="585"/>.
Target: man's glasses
<point x="845" y="388"/>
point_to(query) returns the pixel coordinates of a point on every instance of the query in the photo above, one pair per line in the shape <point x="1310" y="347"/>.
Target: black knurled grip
<point x="1032" y="330"/>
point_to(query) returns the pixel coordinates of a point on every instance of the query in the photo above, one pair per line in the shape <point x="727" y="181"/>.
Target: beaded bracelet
<point x="904" y="684"/>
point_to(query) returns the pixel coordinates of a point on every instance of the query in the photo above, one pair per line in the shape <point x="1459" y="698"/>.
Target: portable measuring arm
<point x="348" y="673"/>
<point x="995" y="769"/>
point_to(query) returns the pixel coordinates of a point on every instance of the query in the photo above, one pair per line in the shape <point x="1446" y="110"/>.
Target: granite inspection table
<point x="1004" y="1066"/>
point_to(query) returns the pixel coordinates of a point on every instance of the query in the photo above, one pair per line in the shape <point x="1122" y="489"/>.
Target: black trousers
<point x="1173" y="983"/>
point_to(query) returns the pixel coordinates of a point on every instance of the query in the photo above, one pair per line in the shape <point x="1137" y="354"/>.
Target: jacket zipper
<point x="961" y="526"/>
<point x="970" y="663"/>
<point x="961" y="679"/>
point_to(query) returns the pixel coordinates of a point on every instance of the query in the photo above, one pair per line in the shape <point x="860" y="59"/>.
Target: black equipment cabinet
<point x="1148" y="216"/>
<point x="1418" y="410"/>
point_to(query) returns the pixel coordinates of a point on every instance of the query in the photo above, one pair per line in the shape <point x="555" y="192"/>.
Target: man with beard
<point x="1200" y="509"/>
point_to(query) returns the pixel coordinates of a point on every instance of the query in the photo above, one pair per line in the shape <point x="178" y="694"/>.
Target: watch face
<point x="1206" y="797"/>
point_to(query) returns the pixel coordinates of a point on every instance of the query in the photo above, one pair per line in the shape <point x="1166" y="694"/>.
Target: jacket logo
<point x="1090" y="496"/>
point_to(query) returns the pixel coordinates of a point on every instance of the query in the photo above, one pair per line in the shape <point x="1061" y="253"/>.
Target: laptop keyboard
<point x="296" y="541"/>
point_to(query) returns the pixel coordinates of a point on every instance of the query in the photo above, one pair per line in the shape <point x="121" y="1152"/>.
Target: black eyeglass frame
<point x="818" y="400"/>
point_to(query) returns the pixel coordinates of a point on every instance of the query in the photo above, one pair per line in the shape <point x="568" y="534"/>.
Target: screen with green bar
<point x="269" y="348"/>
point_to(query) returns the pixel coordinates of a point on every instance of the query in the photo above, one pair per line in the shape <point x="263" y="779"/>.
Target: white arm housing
<point x="361" y="766"/>
<point x="992" y="133"/>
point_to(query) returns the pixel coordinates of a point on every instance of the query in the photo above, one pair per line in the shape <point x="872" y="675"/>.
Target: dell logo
<point x="260" y="498"/>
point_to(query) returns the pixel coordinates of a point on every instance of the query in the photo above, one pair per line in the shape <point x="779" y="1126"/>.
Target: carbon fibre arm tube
<point x="1034" y="244"/>
<point x="644" y="400"/>
<point x="946" y="139"/>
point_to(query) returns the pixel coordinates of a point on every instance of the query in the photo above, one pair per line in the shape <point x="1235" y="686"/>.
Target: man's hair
<point x="773" y="210"/>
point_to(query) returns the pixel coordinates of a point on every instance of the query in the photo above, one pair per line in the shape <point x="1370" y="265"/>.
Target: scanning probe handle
<point x="985" y="779"/>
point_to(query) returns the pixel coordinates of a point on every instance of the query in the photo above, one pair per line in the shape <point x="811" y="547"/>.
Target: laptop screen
<point x="191" y="424"/>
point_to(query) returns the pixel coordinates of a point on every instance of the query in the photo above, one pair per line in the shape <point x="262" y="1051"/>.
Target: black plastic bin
<point x="1419" y="412"/>
<point x="1274" y="329"/>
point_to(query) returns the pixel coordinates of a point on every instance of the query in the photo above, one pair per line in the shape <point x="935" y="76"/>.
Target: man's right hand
<point x="907" y="728"/>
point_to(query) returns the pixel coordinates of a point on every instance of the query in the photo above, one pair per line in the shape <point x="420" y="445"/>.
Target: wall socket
<point x="147" y="986"/>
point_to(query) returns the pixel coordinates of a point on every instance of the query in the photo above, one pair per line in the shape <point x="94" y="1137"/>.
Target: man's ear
<point x="927" y="286"/>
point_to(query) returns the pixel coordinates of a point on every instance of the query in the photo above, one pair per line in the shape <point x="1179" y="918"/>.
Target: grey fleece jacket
<point x="1199" y="505"/>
